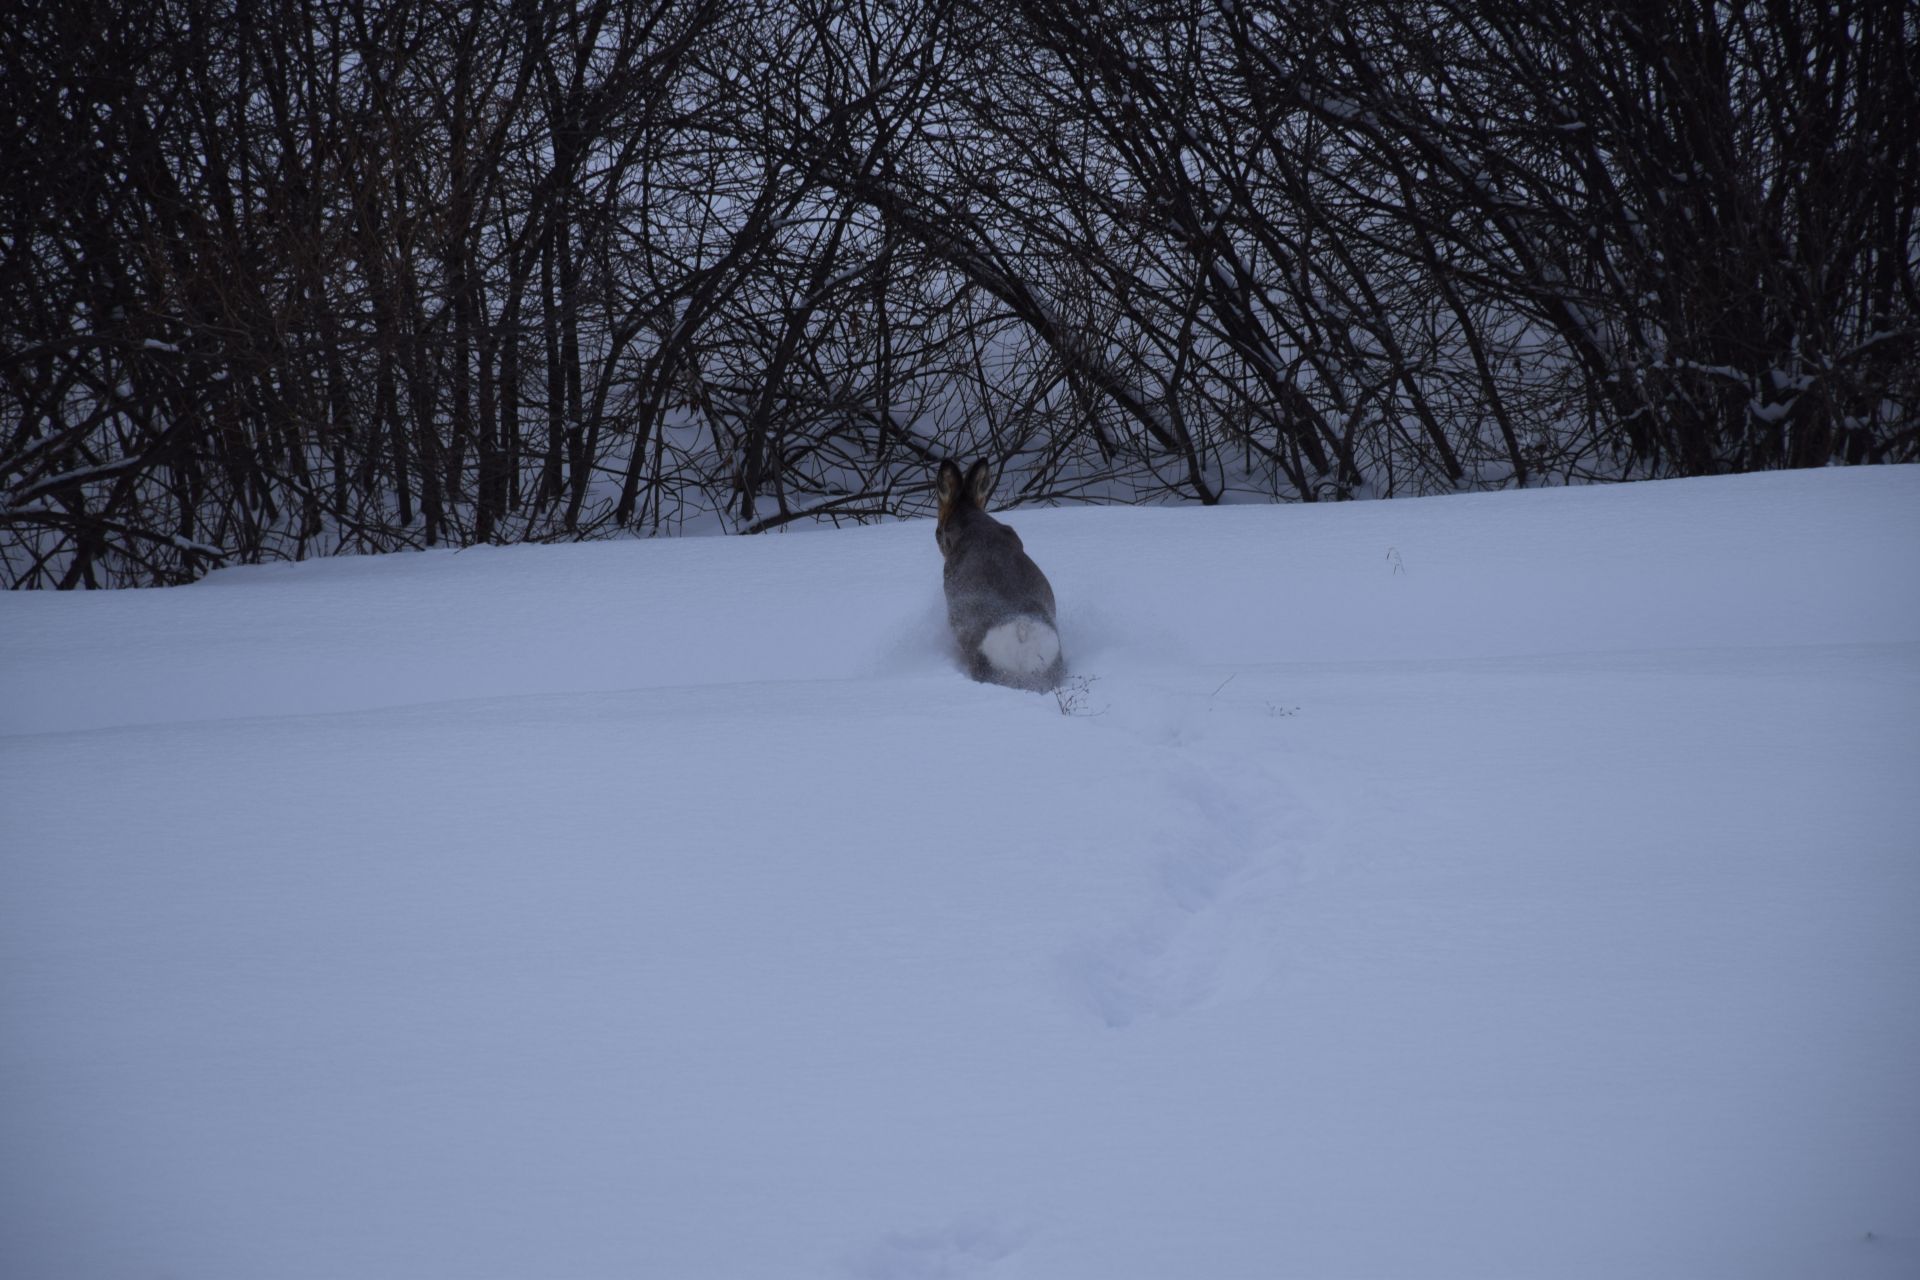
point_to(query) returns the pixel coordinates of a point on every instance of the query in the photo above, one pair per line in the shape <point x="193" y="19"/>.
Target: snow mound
<point x="1516" y="884"/>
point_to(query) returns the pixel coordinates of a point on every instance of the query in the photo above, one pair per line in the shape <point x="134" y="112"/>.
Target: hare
<point x="998" y="602"/>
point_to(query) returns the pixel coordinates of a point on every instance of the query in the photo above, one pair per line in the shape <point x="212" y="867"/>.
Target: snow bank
<point x="1517" y="884"/>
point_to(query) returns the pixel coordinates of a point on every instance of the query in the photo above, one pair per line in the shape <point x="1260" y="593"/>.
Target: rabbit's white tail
<point x="1023" y="647"/>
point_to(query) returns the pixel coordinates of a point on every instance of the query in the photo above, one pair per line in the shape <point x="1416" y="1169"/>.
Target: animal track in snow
<point x="966" y="1247"/>
<point x="1212" y="928"/>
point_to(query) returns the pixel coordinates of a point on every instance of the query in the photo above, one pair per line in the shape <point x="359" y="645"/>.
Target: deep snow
<point x="1522" y="884"/>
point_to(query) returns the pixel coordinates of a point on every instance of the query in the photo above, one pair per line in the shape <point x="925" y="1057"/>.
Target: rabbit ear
<point x="979" y="483"/>
<point x="947" y="486"/>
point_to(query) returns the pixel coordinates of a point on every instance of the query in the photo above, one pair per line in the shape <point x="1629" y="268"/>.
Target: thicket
<point x="296" y="277"/>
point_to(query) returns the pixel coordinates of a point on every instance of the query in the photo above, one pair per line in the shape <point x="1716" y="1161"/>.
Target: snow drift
<point x="1517" y="884"/>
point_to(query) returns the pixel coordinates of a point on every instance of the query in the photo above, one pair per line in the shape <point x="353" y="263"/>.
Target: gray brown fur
<point x="989" y="577"/>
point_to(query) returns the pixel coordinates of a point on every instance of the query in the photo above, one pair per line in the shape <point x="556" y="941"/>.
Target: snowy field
<point x="1518" y="885"/>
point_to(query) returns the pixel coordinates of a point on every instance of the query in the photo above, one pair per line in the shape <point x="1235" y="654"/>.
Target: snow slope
<point x="1522" y="884"/>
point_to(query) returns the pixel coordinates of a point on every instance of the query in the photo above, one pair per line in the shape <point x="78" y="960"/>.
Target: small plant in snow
<point x="1074" y="697"/>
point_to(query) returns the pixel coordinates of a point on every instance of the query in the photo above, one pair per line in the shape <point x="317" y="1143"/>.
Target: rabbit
<point x="998" y="602"/>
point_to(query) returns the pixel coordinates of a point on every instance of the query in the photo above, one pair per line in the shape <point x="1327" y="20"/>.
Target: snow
<point x="1506" y="884"/>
